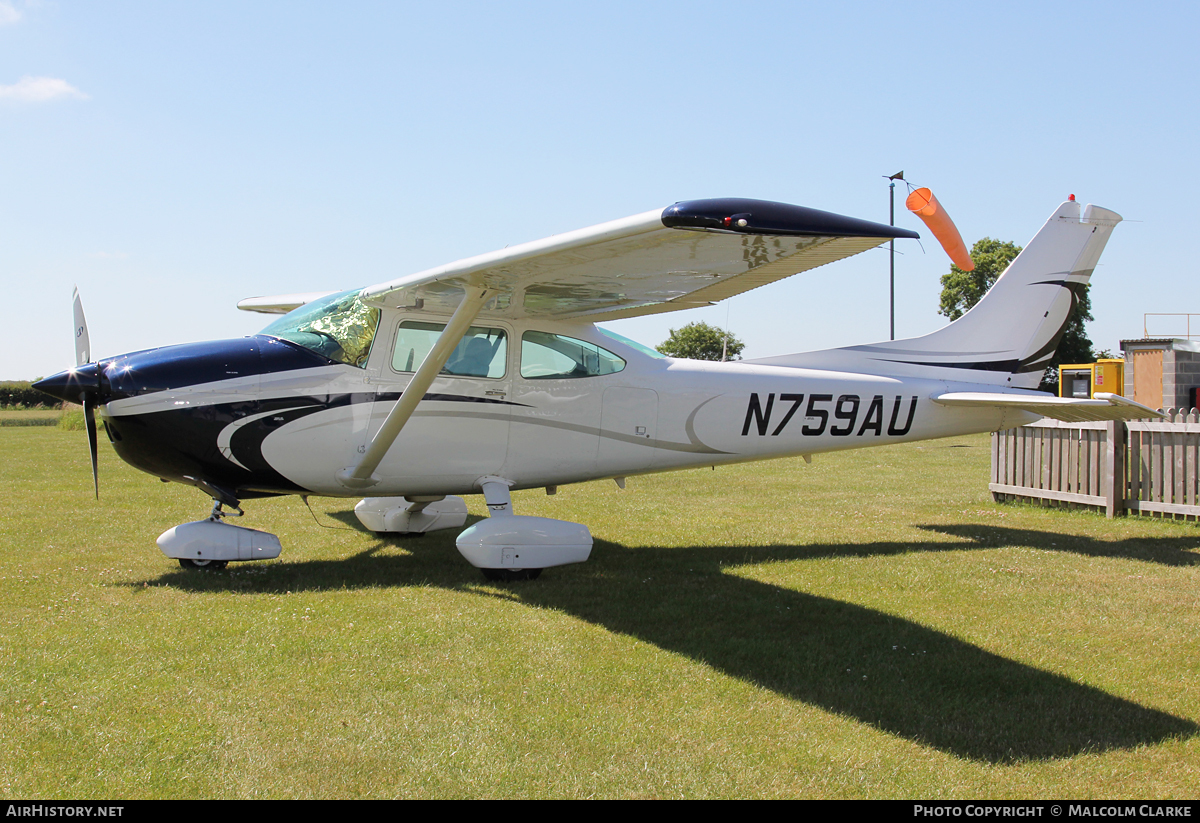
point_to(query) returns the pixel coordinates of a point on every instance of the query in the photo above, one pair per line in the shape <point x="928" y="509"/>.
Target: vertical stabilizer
<point x="1010" y="336"/>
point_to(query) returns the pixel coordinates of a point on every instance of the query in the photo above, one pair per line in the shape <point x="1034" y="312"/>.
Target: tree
<point x="700" y="341"/>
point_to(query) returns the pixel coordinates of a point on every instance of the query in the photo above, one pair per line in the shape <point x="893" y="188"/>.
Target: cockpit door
<point x="460" y="430"/>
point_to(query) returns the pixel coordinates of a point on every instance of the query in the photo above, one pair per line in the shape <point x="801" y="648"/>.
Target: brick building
<point x="1162" y="372"/>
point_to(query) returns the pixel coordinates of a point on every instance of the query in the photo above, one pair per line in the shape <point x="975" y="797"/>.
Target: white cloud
<point x="8" y="13"/>
<point x="38" y="89"/>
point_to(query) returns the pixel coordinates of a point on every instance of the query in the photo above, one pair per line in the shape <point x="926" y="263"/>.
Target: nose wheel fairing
<point x="206" y="542"/>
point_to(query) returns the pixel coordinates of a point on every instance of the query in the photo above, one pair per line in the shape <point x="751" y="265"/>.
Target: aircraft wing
<point x="689" y="254"/>
<point x="1103" y="407"/>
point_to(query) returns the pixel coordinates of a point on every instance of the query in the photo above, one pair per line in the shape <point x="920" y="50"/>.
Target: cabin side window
<point x="483" y="352"/>
<point x="545" y="356"/>
<point x="340" y="327"/>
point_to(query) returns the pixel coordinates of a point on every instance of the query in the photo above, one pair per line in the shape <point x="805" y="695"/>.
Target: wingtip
<point x="745" y="216"/>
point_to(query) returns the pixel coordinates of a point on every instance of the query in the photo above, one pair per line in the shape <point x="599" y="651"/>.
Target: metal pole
<point x="892" y="178"/>
<point x="892" y="249"/>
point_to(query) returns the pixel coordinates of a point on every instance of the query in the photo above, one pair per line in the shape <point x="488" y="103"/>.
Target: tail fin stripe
<point x="989" y="365"/>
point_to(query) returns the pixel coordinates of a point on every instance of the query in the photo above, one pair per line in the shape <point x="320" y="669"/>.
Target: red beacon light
<point x="1071" y="197"/>
<point x="727" y="222"/>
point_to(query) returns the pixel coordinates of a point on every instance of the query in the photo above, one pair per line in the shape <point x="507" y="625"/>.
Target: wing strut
<point x="362" y="476"/>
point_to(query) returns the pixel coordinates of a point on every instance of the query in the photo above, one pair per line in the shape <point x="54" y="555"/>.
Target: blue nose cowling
<point x="71" y="384"/>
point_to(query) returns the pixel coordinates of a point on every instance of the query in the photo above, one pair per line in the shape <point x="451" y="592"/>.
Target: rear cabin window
<point x="482" y="352"/>
<point x="545" y="356"/>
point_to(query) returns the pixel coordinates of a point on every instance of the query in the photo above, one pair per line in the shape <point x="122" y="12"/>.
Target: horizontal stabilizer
<point x="280" y="303"/>
<point x="1074" y="410"/>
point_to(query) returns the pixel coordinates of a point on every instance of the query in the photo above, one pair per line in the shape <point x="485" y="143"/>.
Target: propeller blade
<point x="89" y="419"/>
<point x="83" y="344"/>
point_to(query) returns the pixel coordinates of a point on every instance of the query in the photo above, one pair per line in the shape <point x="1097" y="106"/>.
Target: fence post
<point x="1114" y="470"/>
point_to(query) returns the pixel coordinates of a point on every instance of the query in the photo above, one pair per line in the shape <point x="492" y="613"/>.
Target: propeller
<point x="81" y="384"/>
<point x="83" y="350"/>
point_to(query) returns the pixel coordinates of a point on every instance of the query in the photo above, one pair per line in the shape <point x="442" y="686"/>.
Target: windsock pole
<point x="892" y="262"/>
<point x="892" y="248"/>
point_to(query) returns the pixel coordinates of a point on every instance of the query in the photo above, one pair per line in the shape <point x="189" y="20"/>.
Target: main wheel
<point x="212" y="565"/>
<point x="506" y="575"/>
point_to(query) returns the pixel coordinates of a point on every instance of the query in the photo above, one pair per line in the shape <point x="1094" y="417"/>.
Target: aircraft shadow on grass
<point x="1169" y="551"/>
<point x="895" y="674"/>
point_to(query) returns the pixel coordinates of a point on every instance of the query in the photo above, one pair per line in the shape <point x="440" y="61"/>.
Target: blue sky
<point x="173" y="158"/>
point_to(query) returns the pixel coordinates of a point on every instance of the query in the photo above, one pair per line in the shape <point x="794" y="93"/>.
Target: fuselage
<point x="263" y="415"/>
<point x="523" y="390"/>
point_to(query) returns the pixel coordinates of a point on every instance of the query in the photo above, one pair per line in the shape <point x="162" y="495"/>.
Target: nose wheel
<point x="506" y="575"/>
<point x="212" y="565"/>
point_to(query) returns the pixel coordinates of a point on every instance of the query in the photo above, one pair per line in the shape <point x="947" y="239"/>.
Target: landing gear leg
<point x="499" y="502"/>
<point x="217" y="513"/>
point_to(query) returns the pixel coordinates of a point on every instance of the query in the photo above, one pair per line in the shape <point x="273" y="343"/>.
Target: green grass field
<point x="870" y="625"/>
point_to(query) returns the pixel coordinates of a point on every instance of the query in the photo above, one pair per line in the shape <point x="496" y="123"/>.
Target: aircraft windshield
<point x="340" y="327"/>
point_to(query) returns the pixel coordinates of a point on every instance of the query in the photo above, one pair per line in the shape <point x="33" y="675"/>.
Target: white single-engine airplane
<point x="488" y="375"/>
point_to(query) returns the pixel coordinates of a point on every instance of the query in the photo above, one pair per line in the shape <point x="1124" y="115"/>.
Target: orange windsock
<point x="923" y="204"/>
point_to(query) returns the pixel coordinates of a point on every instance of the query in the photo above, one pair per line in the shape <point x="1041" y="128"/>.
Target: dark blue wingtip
<point x="71" y="384"/>
<point x="766" y="217"/>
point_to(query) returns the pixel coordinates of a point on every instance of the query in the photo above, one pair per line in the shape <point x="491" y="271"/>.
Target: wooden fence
<point x="1146" y="466"/>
